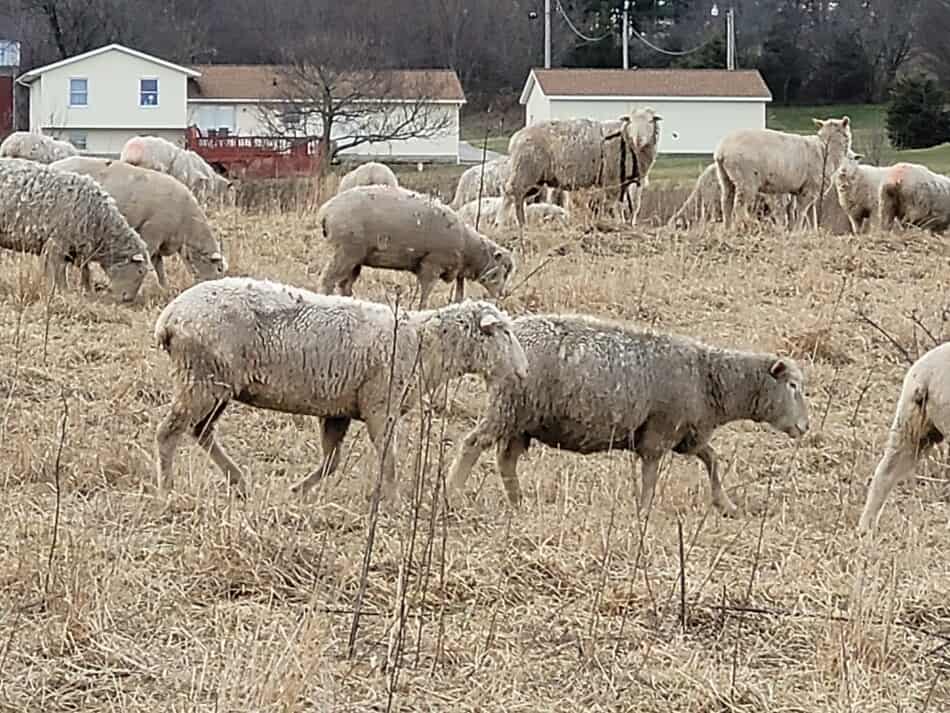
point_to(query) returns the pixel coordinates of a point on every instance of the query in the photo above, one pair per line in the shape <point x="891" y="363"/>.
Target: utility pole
<point x="547" y="34"/>
<point x="626" y="34"/>
<point x="730" y="39"/>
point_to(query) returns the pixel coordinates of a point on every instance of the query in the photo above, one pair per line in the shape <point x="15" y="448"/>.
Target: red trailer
<point x="256" y="156"/>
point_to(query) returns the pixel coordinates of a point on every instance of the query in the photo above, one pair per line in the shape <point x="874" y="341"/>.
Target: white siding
<point x="113" y="86"/>
<point x="689" y="127"/>
<point x="250" y="121"/>
<point x="108" y="143"/>
<point x="538" y="106"/>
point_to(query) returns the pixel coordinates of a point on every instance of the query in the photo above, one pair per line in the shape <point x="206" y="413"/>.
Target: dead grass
<point x="119" y="597"/>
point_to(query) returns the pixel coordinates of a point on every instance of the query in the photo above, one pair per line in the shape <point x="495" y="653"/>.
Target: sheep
<point x="163" y="212"/>
<point x="68" y="218"/>
<point x="580" y="153"/>
<point x="752" y="161"/>
<point x="858" y="188"/>
<point x="496" y="173"/>
<point x="35" y="147"/>
<point x="595" y="385"/>
<point x="704" y="202"/>
<point x="398" y="229"/>
<point x="185" y="165"/>
<point x="368" y="174"/>
<point x="914" y="195"/>
<point x="535" y="213"/>
<point x="921" y="420"/>
<point x="283" y="348"/>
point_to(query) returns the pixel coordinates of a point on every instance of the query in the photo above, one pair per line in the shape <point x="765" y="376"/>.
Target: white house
<point x="247" y="100"/>
<point x="99" y="99"/>
<point x="698" y="106"/>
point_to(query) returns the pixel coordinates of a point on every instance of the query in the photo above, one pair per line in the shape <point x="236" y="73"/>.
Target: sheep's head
<point x="834" y="131"/>
<point x="640" y="128"/>
<point x="205" y="266"/>
<point x="849" y="166"/>
<point x="496" y="277"/>
<point x="782" y="399"/>
<point x="475" y="337"/>
<point x="127" y="276"/>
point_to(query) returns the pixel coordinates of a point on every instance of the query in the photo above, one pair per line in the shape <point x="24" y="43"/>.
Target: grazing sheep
<point x="704" y="203"/>
<point x="595" y="385"/>
<point x="368" y="174"/>
<point x="188" y="167"/>
<point x="581" y="153"/>
<point x="163" y="211"/>
<point x="752" y="161"/>
<point x="282" y="348"/>
<point x="398" y="229"/>
<point x="69" y="218"/>
<point x="858" y="188"/>
<point x="535" y="213"/>
<point x="496" y="173"/>
<point x="922" y="420"/>
<point x="35" y="147"/>
<point x="914" y="195"/>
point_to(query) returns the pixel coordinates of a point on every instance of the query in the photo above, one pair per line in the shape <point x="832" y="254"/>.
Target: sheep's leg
<point x="54" y="264"/>
<point x="459" y="288"/>
<point x="745" y="200"/>
<point x="336" y="272"/>
<point x="507" y="454"/>
<point x="649" y="473"/>
<point x="719" y="498"/>
<point x="895" y="465"/>
<point x="85" y="277"/>
<point x="469" y="450"/>
<point x="386" y="452"/>
<point x="204" y="433"/>
<point x="158" y="262"/>
<point x="332" y="432"/>
<point x="635" y="195"/>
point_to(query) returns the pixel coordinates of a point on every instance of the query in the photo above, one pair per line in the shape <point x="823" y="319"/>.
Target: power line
<point x="671" y="53"/>
<point x="577" y="32"/>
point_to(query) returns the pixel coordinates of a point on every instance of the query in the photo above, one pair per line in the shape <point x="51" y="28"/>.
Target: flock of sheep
<point x="575" y="382"/>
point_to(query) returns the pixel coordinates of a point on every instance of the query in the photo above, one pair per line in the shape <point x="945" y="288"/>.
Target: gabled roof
<point x="741" y="84"/>
<point x="261" y="82"/>
<point x="28" y="77"/>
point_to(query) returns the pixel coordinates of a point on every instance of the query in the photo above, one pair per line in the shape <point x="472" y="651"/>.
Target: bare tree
<point x="932" y="32"/>
<point x="333" y="89"/>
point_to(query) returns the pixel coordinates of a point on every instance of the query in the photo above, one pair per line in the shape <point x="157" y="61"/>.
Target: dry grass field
<point x="116" y="596"/>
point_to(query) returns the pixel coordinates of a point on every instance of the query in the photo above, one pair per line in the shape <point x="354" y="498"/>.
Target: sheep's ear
<point x="138" y="257"/>
<point x="216" y="257"/>
<point x="846" y="121"/>
<point x="778" y="368"/>
<point x="488" y="322"/>
<point x="657" y="117"/>
<point x="858" y="156"/>
<point x="818" y="122"/>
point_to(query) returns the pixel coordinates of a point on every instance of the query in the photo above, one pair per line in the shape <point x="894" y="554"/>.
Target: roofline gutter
<point x="667" y="98"/>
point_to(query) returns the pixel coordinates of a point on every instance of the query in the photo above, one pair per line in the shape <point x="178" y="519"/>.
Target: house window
<point x="78" y="92"/>
<point x="292" y="120"/>
<point x="78" y="139"/>
<point x="148" y="92"/>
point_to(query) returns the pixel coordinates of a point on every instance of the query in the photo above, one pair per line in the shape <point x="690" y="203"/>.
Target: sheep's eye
<point x="793" y="386"/>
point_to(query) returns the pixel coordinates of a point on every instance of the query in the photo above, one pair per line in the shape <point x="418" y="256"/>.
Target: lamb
<point x="398" y="229"/>
<point x="752" y="161"/>
<point x="858" y="188"/>
<point x="163" y="212"/>
<point x="704" y="203"/>
<point x="922" y="420"/>
<point x="595" y="385"/>
<point x="368" y="174"/>
<point x="35" y="147"/>
<point x="185" y="165"/>
<point x="286" y="349"/>
<point x="69" y="218"/>
<point x="535" y="213"/>
<point x="914" y="195"/>
<point x="580" y="153"/>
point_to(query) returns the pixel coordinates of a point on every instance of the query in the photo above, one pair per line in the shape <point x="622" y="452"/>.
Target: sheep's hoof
<point x="726" y="508"/>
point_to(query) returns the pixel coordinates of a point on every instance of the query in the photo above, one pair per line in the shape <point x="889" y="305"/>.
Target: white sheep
<point x="573" y="154"/>
<point x="399" y="229"/>
<point x="368" y="174"/>
<point x="159" y="154"/>
<point x="922" y="420"/>
<point x="486" y="210"/>
<point x="858" y="188"/>
<point x="69" y="219"/>
<point x="704" y="203"/>
<point x="914" y="195"/>
<point x="753" y="161"/>
<point x="594" y="385"/>
<point x="162" y="210"/>
<point x="282" y="348"/>
<point x="35" y="147"/>
<point x="468" y="189"/>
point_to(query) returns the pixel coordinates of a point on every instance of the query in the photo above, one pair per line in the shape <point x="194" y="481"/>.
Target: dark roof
<point x="739" y="83"/>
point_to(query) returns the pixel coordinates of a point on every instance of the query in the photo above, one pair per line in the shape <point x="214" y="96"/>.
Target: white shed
<point x="698" y="106"/>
